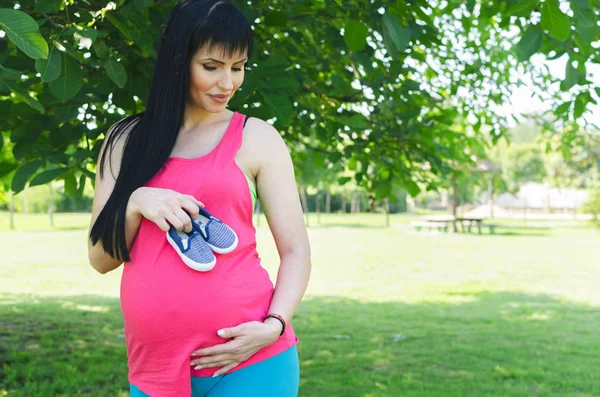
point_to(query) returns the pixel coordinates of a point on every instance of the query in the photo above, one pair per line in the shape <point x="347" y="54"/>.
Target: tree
<point x="389" y="86"/>
<point x="522" y="164"/>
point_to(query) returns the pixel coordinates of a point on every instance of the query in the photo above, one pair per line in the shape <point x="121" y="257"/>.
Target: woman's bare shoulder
<point x="262" y="146"/>
<point x="260" y="134"/>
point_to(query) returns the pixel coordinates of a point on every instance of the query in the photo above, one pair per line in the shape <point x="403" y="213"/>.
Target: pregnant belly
<point x="181" y="303"/>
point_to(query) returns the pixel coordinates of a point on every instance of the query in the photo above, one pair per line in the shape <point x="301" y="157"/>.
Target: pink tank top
<point x="170" y="310"/>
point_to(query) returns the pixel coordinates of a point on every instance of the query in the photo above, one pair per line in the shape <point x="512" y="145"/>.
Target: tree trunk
<point x="318" y="198"/>
<point x="454" y="200"/>
<point x="386" y="211"/>
<point x="11" y="212"/>
<point x="328" y="201"/>
<point x="454" y="195"/>
<point x="51" y="205"/>
<point x="343" y="204"/>
<point x="24" y="202"/>
<point x="492" y="200"/>
<point x="410" y="204"/>
<point x="304" y="202"/>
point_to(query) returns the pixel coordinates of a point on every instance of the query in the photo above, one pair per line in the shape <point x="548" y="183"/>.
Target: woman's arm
<point x="100" y="260"/>
<point x="164" y="207"/>
<point x="279" y="199"/>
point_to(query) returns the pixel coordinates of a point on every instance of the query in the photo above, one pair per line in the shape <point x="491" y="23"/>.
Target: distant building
<point x="537" y="197"/>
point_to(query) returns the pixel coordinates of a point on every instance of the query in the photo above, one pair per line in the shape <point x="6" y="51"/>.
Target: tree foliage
<point x="399" y="92"/>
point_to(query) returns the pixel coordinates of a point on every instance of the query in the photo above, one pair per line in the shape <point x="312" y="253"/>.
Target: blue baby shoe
<point x="193" y="249"/>
<point x="219" y="237"/>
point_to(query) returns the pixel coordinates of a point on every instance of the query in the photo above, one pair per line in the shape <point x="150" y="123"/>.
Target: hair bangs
<point x="224" y="29"/>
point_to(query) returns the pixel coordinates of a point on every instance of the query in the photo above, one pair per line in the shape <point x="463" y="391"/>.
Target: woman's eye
<point x="236" y="69"/>
<point x="209" y="68"/>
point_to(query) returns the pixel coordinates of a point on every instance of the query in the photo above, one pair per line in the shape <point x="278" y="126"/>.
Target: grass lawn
<point x="389" y="312"/>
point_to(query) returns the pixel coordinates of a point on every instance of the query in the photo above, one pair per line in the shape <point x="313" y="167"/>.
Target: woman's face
<point x="214" y="78"/>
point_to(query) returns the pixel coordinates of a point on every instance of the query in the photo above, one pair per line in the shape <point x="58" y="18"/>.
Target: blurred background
<point x="447" y="159"/>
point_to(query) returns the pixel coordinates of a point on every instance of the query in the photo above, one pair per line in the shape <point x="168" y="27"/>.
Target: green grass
<point x="388" y="312"/>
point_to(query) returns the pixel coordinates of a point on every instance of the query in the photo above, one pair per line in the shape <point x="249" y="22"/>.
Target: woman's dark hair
<point x="151" y="135"/>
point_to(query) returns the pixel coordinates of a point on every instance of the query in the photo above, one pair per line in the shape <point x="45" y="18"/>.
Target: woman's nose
<point x="226" y="82"/>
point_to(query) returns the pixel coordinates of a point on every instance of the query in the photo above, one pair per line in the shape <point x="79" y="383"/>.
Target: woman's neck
<point x="195" y="117"/>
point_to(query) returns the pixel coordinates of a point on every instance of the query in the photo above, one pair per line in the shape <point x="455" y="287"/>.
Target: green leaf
<point x="142" y="4"/>
<point x="358" y="121"/>
<point x="21" y="94"/>
<point x="581" y="5"/>
<point x="120" y="24"/>
<point x="277" y="18"/>
<point x="555" y="21"/>
<point x="580" y="106"/>
<point x="412" y="188"/>
<point x="400" y="36"/>
<point x="23" y="174"/>
<point x="523" y="8"/>
<point x="47" y="6"/>
<point x="70" y="81"/>
<point x="352" y="164"/>
<point x="116" y="72"/>
<point x="358" y="177"/>
<point x="383" y="189"/>
<point x="281" y="107"/>
<point x="470" y="6"/>
<point x="81" y="186"/>
<point x="100" y="49"/>
<point x="365" y="61"/>
<point x="280" y="83"/>
<point x="7" y="168"/>
<point x="50" y="68"/>
<point x="24" y="32"/>
<point x="47" y="176"/>
<point x="344" y="179"/>
<point x="562" y="108"/>
<point x="70" y="184"/>
<point x="571" y="77"/>
<point x="587" y="25"/>
<point x="66" y="112"/>
<point x="89" y="174"/>
<point x="529" y="44"/>
<point x="355" y="35"/>
<point x="10" y="74"/>
<point x="274" y="62"/>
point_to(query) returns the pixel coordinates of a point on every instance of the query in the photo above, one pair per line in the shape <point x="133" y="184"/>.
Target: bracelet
<point x="278" y="317"/>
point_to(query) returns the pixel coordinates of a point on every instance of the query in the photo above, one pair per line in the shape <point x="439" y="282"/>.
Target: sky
<point x="522" y="101"/>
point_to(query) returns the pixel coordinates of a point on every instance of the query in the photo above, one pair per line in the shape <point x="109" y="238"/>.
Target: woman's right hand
<point x="165" y="207"/>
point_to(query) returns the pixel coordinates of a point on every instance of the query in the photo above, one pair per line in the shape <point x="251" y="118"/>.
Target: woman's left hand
<point x="246" y="339"/>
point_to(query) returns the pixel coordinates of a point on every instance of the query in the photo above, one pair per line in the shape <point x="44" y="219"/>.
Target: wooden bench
<point x="420" y="225"/>
<point x="476" y="223"/>
<point x="491" y="226"/>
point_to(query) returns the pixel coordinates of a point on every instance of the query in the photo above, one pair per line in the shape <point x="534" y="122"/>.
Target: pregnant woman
<point x="223" y="331"/>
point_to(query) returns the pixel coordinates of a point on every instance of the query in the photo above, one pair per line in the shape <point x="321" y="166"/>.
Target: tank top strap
<point x="231" y="141"/>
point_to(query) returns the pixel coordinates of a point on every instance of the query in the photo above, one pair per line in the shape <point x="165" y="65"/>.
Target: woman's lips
<point x="219" y="98"/>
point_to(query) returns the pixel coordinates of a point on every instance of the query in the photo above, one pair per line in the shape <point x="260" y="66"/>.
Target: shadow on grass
<point x="348" y="225"/>
<point x="52" y="230"/>
<point x="487" y="344"/>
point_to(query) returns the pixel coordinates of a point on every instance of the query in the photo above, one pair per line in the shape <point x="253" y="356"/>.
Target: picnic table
<point x="450" y="222"/>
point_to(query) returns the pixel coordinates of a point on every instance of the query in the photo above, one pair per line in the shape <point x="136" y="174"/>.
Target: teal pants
<point x="278" y="376"/>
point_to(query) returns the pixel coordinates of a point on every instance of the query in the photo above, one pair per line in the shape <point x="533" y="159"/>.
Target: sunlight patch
<point x="540" y="316"/>
<point x="101" y="309"/>
<point x="85" y="308"/>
